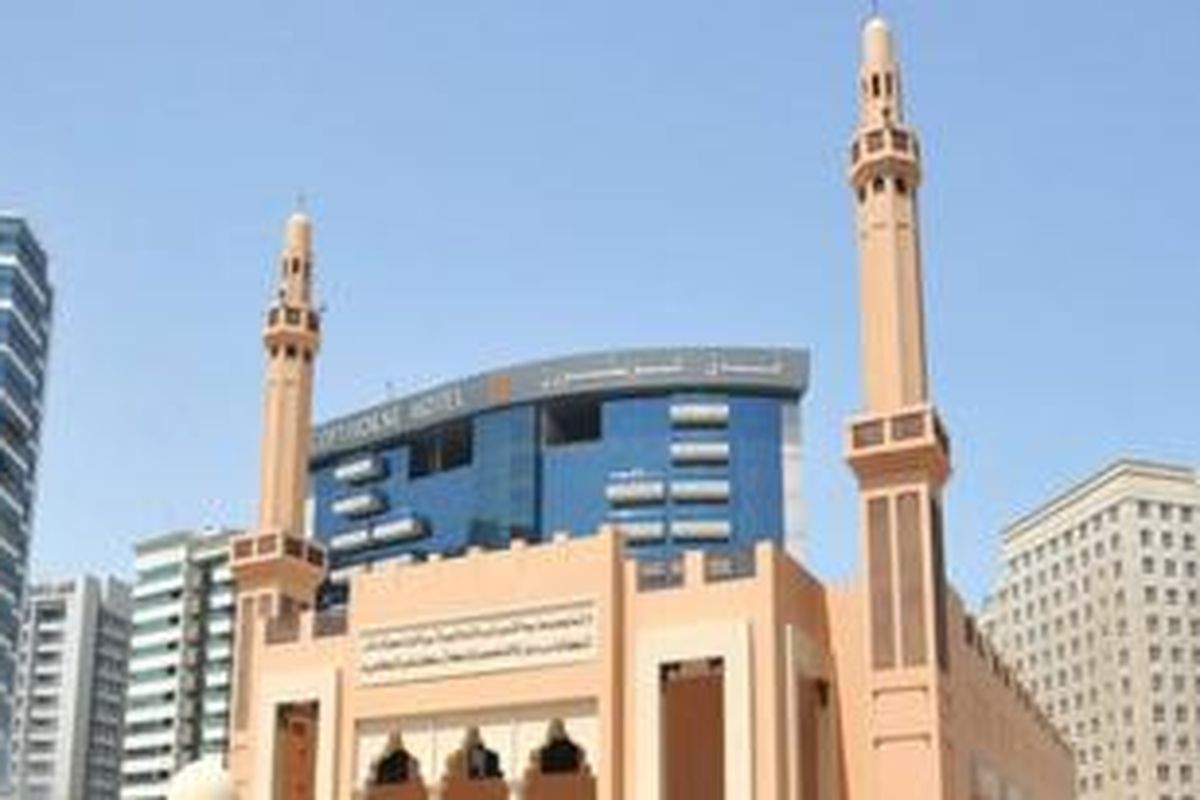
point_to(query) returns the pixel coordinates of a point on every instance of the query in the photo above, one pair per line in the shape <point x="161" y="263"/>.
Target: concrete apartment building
<point x="1098" y="610"/>
<point x="70" y="690"/>
<point x="177" y="708"/>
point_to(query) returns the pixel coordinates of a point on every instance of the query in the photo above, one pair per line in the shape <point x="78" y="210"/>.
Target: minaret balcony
<point x="889" y="150"/>
<point x="907" y="440"/>
<point x="271" y="557"/>
<point x="300" y="319"/>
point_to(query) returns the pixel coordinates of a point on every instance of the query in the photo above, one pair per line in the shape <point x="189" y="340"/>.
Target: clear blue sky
<point x="496" y="181"/>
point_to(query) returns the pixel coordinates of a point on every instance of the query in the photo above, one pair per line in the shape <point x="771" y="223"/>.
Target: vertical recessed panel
<point x="243" y="647"/>
<point x="913" y="635"/>
<point x="939" y="583"/>
<point x="808" y="759"/>
<point x="883" y="632"/>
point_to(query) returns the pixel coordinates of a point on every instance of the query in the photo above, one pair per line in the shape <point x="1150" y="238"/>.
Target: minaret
<point x="277" y="569"/>
<point x="276" y="561"/>
<point x="886" y="174"/>
<point x="291" y="338"/>
<point x="897" y="449"/>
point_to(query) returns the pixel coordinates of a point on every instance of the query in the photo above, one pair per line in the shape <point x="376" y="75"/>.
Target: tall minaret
<point x="292" y="337"/>
<point x="275" y="567"/>
<point x="897" y="449"/>
<point x="886" y="174"/>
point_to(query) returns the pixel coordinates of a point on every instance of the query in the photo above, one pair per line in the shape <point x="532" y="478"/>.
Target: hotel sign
<point x="526" y="638"/>
<point x="770" y="369"/>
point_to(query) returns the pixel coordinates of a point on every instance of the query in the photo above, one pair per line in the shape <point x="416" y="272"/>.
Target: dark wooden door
<point x="296" y="764"/>
<point x="693" y="730"/>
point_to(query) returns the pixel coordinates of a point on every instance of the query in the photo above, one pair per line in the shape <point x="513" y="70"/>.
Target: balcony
<point x="350" y="540"/>
<point x="909" y="439"/>
<point x="701" y="529"/>
<point x="358" y="505"/>
<point x="891" y="147"/>
<point x="639" y="531"/>
<point x="360" y="470"/>
<point x="700" y="491"/>
<point x="636" y="492"/>
<point x="410" y="527"/>
<point x="699" y="452"/>
<point x="700" y="415"/>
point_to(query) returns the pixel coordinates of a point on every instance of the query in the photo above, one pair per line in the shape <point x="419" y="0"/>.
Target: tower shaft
<point x="886" y="175"/>
<point x="897" y="449"/>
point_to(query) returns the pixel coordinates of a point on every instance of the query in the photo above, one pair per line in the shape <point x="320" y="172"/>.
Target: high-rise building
<point x="178" y="697"/>
<point x="71" y="673"/>
<point x="26" y="302"/>
<point x="1098" y="609"/>
<point x="678" y="448"/>
<point x="567" y="668"/>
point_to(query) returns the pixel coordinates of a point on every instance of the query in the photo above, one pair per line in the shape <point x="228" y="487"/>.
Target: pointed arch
<point x="558" y="770"/>
<point x="473" y="772"/>
<point x="396" y="774"/>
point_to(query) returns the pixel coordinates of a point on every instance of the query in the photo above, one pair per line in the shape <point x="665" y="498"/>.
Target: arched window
<point x="395" y="775"/>
<point x="559" y="754"/>
<point x="473" y="772"/>
<point x="396" y="767"/>
<point x="558" y="770"/>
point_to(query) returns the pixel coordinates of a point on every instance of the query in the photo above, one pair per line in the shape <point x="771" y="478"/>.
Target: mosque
<point x="566" y="671"/>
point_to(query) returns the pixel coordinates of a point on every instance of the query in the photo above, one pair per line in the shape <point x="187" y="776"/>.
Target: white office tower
<point x="1098" y="610"/>
<point x="70" y="690"/>
<point x="179" y="670"/>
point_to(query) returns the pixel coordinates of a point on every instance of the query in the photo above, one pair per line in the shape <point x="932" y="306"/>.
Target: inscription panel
<point x="513" y="639"/>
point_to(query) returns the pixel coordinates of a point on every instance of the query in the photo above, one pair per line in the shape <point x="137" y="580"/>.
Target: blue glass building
<point x="26" y="301"/>
<point x="676" y="448"/>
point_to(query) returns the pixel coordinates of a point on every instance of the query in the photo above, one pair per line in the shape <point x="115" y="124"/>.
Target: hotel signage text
<point x="510" y="640"/>
<point x="637" y="370"/>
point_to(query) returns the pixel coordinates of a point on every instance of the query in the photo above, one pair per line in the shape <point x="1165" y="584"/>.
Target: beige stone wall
<point x="774" y="628"/>
<point x="995" y="738"/>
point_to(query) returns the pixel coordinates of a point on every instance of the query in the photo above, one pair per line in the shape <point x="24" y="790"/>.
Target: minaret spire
<point x="292" y="337"/>
<point x="886" y="175"/>
<point x="897" y="448"/>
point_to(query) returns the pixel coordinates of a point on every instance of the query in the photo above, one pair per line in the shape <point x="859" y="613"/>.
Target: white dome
<point x="205" y="779"/>
<point x="877" y="42"/>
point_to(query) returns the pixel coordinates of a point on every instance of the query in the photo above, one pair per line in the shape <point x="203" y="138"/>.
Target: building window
<point x="441" y="450"/>
<point x="572" y="422"/>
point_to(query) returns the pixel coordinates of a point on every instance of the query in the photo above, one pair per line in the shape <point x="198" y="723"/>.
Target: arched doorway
<point x="559" y="770"/>
<point x="396" y="775"/>
<point x="296" y="751"/>
<point x="473" y="772"/>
